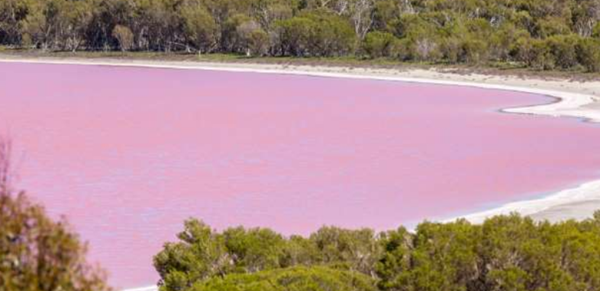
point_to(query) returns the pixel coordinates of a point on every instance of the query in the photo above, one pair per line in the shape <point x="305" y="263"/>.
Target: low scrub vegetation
<point x="40" y="254"/>
<point x="290" y="279"/>
<point x="504" y="253"/>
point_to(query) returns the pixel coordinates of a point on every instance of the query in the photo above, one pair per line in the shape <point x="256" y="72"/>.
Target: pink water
<point x="128" y="153"/>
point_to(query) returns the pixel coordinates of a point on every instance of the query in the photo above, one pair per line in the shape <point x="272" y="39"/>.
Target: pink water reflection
<point x="129" y="153"/>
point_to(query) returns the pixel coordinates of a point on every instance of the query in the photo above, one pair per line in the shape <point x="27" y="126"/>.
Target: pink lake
<point x="128" y="153"/>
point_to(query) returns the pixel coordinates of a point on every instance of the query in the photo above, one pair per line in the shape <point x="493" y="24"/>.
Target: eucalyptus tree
<point x="539" y="34"/>
<point x="12" y="13"/>
<point x="200" y="29"/>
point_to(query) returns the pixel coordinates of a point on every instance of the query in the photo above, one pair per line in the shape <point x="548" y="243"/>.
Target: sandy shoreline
<point x="575" y="99"/>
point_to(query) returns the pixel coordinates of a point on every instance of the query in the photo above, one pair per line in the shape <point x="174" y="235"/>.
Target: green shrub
<point x="315" y="34"/>
<point x="37" y="253"/>
<point x="541" y="56"/>
<point x="474" y="50"/>
<point x="504" y="253"/>
<point x="378" y="44"/>
<point x="291" y="279"/>
<point x="563" y="50"/>
<point x="588" y="53"/>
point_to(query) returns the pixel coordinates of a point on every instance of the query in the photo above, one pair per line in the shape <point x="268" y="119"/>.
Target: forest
<point x="504" y="253"/>
<point x="536" y="34"/>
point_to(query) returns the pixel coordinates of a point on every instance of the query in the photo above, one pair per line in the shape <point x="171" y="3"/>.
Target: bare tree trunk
<point x="361" y="15"/>
<point x="5" y="165"/>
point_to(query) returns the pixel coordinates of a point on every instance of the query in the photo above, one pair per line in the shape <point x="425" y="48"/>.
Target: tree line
<point x="540" y="34"/>
<point x="504" y="253"/>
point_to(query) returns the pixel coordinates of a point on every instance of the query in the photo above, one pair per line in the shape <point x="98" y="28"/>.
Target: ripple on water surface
<point x="129" y="153"/>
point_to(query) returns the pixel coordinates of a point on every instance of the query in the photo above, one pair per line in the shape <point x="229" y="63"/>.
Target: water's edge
<point x="567" y="105"/>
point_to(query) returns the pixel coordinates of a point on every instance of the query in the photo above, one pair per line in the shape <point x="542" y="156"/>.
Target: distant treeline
<point x="508" y="253"/>
<point x="541" y="34"/>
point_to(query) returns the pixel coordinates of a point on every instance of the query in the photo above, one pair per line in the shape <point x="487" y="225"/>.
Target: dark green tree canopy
<point x="38" y="254"/>
<point x="539" y="34"/>
<point x="298" y="278"/>
<point x="504" y="253"/>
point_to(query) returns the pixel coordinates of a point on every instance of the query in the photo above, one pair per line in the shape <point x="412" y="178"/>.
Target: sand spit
<point x="574" y="99"/>
<point x="577" y="203"/>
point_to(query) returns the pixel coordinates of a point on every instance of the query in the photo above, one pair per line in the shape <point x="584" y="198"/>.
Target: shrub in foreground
<point x="504" y="253"/>
<point x="202" y="253"/>
<point x="290" y="279"/>
<point x="39" y="254"/>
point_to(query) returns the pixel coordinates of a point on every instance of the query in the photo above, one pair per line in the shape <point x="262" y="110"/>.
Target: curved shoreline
<point x="568" y="104"/>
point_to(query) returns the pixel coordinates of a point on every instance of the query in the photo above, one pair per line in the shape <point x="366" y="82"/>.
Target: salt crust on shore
<point x="574" y="99"/>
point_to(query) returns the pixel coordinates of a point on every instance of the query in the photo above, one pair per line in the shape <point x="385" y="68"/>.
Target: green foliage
<point x="258" y="42"/>
<point x="199" y="28"/>
<point x="356" y="250"/>
<point x="563" y="50"/>
<point x="378" y="44"/>
<point x="202" y="253"/>
<point x="290" y="279"/>
<point x="474" y="50"/>
<point x="39" y="254"/>
<point x="395" y="260"/>
<point x="12" y="15"/>
<point x="588" y="52"/>
<point x="255" y="249"/>
<point x="504" y="253"/>
<point x="541" y="34"/>
<point x="315" y="34"/>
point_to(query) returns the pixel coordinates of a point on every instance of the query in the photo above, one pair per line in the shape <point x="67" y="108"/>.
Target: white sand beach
<point x="579" y="99"/>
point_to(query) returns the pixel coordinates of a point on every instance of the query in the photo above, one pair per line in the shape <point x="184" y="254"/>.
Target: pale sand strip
<point x="575" y="99"/>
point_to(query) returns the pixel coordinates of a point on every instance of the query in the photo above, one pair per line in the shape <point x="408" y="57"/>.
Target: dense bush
<point x="290" y="279"/>
<point x="588" y="53"/>
<point x="39" y="254"/>
<point x="378" y="44"/>
<point x="542" y="34"/>
<point x="503" y="253"/>
<point x="203" y="253"/>
<point x="314" y="34"/>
